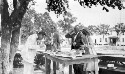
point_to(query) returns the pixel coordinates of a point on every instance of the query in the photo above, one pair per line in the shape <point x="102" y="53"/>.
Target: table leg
<point x="96" y="66"/>
<point x="54" y="67"/>
<point x="65" y="69"/>
<point x="47" y="62"/>
<point x="70" y="69"/>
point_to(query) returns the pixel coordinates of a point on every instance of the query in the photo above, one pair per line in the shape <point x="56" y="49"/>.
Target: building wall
<point x="101" y="41"/>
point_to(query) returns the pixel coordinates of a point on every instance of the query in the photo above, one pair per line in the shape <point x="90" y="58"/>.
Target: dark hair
<point x="42" y="33"/>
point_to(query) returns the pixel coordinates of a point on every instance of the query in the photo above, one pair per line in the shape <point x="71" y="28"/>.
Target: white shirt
<point x="75" y="36"/>
<point x="52" y="34"/>
<point x="30" y="48"/>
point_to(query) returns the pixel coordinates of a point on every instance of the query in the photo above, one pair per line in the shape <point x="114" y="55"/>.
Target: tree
<point x="34" y="22"/>
<point x="11" y="23"/>
<point x="100" y="29"/>
<point x="93" y="29"/>
<point x="66" y="23"/>
<point x="28" y="26"/>
<point x="119" y="28"/>
<point x="103" y="29"/>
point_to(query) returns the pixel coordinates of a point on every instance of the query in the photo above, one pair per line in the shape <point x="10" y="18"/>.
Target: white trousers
<point x="28" y="68"/>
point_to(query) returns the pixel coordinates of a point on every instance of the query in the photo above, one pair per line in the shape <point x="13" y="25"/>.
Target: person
<point x="77" y="40"/>
<point x="91" y="67"/>
<point x="53" y="44"/>
<point x="33" y="43"/>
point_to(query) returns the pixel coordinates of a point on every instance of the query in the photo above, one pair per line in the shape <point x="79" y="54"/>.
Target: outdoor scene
<point x="62" y="37"/>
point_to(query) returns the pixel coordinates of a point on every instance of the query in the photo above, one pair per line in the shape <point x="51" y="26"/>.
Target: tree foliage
<point x="120" y="28"/>
<point x="59" y="6"/>
<point x="103" y="29"/>
<point x="100" y="29"/>
<point x="34" y="22"/>
<point x="66" y="23"/>
<point x="93" y="29"/>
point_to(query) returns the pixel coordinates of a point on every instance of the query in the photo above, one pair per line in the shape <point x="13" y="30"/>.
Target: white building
<point x="118" y="42"/>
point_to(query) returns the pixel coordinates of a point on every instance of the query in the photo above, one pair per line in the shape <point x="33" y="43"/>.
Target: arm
<point x="68" y="35"/>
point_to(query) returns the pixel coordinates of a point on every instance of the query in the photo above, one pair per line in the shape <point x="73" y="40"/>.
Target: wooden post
<point x="96" y="65"/>
<point x="54" y="67"/>
<point x="47" y="62"/>
<point x="70" y="69"/>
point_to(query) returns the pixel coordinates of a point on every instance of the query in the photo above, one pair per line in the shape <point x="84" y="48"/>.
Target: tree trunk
<point x="14" y="46"/>
<point x="5" y="39"/>
<point x="5" y="45"/>
<point x="10" y="32"/>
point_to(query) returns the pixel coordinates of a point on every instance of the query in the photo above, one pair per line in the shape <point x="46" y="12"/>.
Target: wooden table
<point x="69" y="62"/>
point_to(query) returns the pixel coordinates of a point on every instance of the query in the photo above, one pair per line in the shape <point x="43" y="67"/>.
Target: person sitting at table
<point x="32" y="44"/>
<point x="77" y="40"/>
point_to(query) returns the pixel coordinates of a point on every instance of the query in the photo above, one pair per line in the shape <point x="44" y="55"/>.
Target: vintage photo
<point x="62" y="36"/>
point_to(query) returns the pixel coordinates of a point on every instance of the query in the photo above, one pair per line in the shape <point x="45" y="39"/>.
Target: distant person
<point x="34" y="42"/>
<point x="77" y="40"/>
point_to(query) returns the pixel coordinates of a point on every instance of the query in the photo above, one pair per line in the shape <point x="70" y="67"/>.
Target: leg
<point x="75" y="66"/>
<point x="57" y="66"/>
<point x="54" y="67"/>
<point x="70" y="69"/>
<point x="25" y="68"/>
<point x="80" y="69"/>
<point x="47" y="62"/>
<point x="28" y="68"/>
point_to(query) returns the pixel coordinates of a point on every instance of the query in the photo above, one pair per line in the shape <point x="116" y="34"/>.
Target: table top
<point x="82" y="59"/>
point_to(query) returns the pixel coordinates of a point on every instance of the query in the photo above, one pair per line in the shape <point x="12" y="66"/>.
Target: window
<point x="123" y="39"/>
<point x="100" y="39"/>
<point x="105" y="39"/>
<point x="95" y="40"/>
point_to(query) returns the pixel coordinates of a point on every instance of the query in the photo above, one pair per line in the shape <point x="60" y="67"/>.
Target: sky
<point x="87" y="16"/>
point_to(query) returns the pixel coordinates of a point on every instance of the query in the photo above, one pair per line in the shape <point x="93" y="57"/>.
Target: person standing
<point x="91" y="67"/>
<point x="53" y="44"/>
<point x="31" y="47"/>
<point x="77" y="40"/>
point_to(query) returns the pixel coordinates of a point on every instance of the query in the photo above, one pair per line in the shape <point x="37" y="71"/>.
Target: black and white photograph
<point x="62" y="36"/>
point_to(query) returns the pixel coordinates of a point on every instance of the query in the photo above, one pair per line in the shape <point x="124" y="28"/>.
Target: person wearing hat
<point x="34" y="42"/>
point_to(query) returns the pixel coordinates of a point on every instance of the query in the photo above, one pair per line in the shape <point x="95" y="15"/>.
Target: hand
<point x="74" y="43"/>
<point x="41" y="46"/>
<point x="47" y="42"/>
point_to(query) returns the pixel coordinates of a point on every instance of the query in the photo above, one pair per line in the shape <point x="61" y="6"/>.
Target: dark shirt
<point x="80" y="39"/>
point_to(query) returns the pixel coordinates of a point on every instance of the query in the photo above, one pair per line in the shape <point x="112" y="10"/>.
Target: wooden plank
<point x="113" y="58"/>
<point x="70" y="62"/>
<point x="70" y="69"/>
